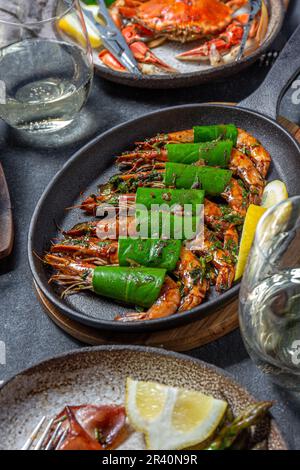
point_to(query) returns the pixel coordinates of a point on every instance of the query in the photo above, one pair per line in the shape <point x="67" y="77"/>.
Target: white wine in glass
<point x="44" y="79"/>
<point x="269" y="302"/>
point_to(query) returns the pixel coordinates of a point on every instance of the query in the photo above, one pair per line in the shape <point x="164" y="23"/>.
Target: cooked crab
<point x="183" y="20"/>
<point x="219" y="24"/>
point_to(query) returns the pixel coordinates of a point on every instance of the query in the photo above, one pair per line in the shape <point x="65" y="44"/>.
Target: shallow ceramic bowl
<point x="98" y="376"/>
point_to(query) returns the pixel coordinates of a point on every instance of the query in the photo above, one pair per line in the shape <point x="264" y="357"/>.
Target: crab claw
<point x="144" y="55"/>
<point x="141" y="53"/>
<point x="221" y="45"/>
<point x="110" y="61"/>
<point x="134" y="36"/>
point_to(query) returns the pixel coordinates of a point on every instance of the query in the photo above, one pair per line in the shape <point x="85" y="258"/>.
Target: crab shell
<point x="179" y="20"/>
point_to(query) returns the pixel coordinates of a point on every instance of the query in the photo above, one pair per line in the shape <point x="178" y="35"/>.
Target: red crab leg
<point x="134" y="35"/>
<point x="110" y="61"/>
<point x="222" y="44"/>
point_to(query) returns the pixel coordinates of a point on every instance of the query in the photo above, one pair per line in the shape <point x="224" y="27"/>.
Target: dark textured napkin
<point x="19" y="11"/>
<point x="11" y="11"/>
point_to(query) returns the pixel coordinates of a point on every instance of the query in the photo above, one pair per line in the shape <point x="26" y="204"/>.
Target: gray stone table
<point x="29" y="165"/>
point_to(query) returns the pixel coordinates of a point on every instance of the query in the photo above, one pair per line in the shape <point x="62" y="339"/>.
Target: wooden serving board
<point x="183" y="338"/>
<point x="6" y="221"/>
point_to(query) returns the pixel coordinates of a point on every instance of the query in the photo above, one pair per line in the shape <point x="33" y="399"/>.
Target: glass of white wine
<point x="269" y="302"/>
<point x="45" y="77"/>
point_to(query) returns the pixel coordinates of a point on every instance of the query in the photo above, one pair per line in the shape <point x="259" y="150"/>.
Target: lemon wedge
<point x="274" y="192"/>
<point x="254" y="213"/>
<point x="71" y="26"/>
<point x="171" y="418"/>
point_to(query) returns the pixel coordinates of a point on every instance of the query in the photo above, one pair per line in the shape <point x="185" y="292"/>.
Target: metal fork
<point x="40" y="443"/>
<point x="255" y="7"/>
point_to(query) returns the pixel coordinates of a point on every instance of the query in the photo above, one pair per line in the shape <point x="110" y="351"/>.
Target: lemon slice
<point x="171" y="418"/>
<point x="254" y="213"/>
<point x="274" y="192"/>
<point x="71" y="26"/>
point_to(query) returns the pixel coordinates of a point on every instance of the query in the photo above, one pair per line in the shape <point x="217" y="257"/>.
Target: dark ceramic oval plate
<point x="94" y="163"/>
<point x="191" y="73"/>
<point x="98" y="375"/>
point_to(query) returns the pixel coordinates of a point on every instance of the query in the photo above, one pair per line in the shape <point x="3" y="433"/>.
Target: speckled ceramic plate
<point x="97" y="375"/>
<point x="193" y="73"/>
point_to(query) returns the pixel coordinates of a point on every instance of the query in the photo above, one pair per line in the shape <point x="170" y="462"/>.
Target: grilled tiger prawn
<point x="76" y="275"/>
<point x="191" y="273"/>
<point x="166" y="304"/>
<point x="237" y="197"/>
<point x="221" y="258"/>
<point x="249" y="161"/>
<point x="221" y="167"/>
<point x="249" y="145"/>
<point x="218" y="217"/>
<point x="91" y="249"/>
<point x="246" y="143"/>
<point x="235" y="194"/>
<point x="242" y="166"/>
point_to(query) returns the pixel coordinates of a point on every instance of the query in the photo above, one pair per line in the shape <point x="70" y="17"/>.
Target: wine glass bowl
<point x="269" y="302"/>
<point x="44" y="79"/>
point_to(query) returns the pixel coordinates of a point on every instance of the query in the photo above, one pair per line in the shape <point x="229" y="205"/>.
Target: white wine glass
<point x="269" y="302"/>
<point x="45" y="77"/>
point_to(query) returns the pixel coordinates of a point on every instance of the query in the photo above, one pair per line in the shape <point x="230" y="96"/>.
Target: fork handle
<point x="267" y="97"/>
